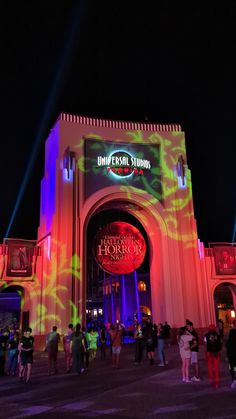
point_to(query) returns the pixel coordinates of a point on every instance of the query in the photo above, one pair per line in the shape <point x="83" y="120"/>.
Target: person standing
<point x="167" y="333"/>
<point x="52" y="343"/>
<point x="213" y="348"/>
<point x="220" y="325"/>
<point x="231" y="353"/>
<point x="116" y="335"/>
<point x="77" y="348"/>
<point x="102" y="337"/>
<point x="93" y="343"/>
<point x="67" y="348"/>
<point x="150" y="339"/>
<point x="3" y="351"/>
<point x="85" y="353"/>
<point x="194" y="346"/>
<point x="26" y="348"/>
<point x="12" y="345"/>
<point x="160" y="345"/>
<point x="184" y="338"/>
<point x="139" y="342"/>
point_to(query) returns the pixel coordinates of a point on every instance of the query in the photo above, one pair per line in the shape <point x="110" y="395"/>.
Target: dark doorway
<point x="224" y="298"/>
<point x="10" y="306"/>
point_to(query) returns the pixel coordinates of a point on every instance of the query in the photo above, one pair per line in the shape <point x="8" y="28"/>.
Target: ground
<point x="129" y="392"/>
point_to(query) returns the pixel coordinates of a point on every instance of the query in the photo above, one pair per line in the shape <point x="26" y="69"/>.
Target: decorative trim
<point x="106" y="123"/>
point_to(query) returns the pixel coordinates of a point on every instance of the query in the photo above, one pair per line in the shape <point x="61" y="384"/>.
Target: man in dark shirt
<point x="26" y="348"/>
<point x="213" y="348"/>
<point x="167" y="333"/>
<point x="194" y="346"/>
<point x="3" y="350"/>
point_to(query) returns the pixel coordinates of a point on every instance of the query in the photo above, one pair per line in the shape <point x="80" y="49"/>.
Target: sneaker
<point x="183" y="380"/>
<point x="195" y="379"/>
<point x="161" y="365"/>
<point x="233" y="385"/>
<point x="188" y="381"/>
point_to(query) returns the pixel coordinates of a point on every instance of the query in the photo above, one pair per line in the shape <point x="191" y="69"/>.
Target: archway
<point x="112" y="297"/>
<point x="225" y="302"/>
<point x="11" y="299"/>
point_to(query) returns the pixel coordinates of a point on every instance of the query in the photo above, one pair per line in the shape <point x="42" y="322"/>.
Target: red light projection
<point x="119" y="248"/>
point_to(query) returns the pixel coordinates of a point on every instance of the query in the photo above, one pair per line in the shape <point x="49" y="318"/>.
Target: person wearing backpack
<point x="213" y="348"/>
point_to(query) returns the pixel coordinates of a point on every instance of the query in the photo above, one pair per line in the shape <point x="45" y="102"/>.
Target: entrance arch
<point x="150" y="213"/>
<point x="11" y="298"/>
<point x="225" y="302"/>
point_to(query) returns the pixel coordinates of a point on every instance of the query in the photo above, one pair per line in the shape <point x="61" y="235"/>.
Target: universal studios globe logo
<point x="122" y="164"/>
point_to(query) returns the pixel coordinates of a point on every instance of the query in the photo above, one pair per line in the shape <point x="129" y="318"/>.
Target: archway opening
<point x="11" y="298"/>
<point x="225" y="303"/>
<point x="114" y="296"/>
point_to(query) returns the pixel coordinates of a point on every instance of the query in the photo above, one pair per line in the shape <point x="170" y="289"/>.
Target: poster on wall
<point x="224" y="257"/>
<point x="19" y="258"/>
<point x="119" y="248"/>
<point x="135" y="164"/>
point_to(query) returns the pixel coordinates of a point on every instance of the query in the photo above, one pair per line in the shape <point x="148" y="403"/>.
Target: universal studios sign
<point x="123" y="164"/>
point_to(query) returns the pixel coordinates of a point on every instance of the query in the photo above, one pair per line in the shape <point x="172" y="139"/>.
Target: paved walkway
<point x="130" y="392"/>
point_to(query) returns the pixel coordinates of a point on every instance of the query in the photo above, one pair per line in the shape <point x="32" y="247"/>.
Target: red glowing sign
<point x="119" y="248"/>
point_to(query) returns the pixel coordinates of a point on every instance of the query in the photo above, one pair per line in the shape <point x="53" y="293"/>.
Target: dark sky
<point x="165" y="61"/>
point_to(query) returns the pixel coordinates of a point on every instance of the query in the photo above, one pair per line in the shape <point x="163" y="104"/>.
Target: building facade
<point x="117" y="237"/>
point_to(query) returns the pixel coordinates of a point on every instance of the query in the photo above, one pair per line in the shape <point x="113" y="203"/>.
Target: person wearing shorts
<point x="184" y="338"/>
<point x="194" y="346"/>
<point x="26" y="355"/>
<point x="116" y="334"/>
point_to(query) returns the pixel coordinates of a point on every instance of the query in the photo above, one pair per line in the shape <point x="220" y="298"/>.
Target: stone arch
<point x="149" y="213"/>
<point x="225" y="301"/>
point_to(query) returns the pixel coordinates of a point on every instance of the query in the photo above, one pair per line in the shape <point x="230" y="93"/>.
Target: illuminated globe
<point x="123" y="169"/>
<point x="119" y="248"/>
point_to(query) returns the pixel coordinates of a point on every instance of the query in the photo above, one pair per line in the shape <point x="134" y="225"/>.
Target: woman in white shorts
<point x="184" y="337"/>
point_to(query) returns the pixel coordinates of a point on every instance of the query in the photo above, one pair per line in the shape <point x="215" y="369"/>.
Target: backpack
<point x="213" y="342"/>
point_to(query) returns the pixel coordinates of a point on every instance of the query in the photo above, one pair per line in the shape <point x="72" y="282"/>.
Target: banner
<point x="224" y="260"/>
<point x="19" y="259"/>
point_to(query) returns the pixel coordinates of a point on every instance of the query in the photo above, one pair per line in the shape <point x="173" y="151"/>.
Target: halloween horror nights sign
<point x="119" y="248"/>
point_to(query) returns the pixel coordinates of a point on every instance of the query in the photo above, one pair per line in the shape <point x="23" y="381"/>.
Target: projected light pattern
<point x="156" y="198"/>
<point x="48" y="289"/>
<point x="162" y="183"/>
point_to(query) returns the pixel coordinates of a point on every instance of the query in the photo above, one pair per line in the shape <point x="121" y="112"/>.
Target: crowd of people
<point x="188" y="342"/>
<point x="80" y="347"/>
<point x="16" y="353"/>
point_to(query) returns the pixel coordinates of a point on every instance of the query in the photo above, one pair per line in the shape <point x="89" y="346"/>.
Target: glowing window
<point x="142" y="286"/>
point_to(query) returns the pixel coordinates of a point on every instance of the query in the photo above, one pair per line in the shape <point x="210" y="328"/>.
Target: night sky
<point x="163" y="62"/>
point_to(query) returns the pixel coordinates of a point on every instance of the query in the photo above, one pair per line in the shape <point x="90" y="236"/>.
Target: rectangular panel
<point x="19" y="259"/>
<point x="224" y="260"/>
<point x="108" y="163"/>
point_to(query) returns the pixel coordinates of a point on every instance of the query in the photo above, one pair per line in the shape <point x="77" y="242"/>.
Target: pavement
<point x="145" y="391"/>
